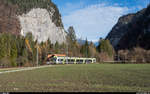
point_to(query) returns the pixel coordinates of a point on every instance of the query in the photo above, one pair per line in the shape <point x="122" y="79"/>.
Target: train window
<point x="54" y="59"/>
<point x="88" y="61"/>
<point x="69" y="60"/>
<point x="81" y="60"/>
<point x="72" y="60"/>
<point x="66" y="60"/>
<point x="60" y="59"/>
<point x="77" y="60"/>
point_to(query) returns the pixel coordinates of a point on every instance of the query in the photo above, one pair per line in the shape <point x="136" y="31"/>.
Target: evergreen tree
<point x="85" y="49"/>
<point x="56" y="47"/>
<point x="31" y="46"/>
<point x="105" y="47"/>
<point x="71" y="34"/>
<point x="3" y="46"/>
<point x="92" y="50"/>
<point x="13" y="52"/>
<point x="8" y="42"/>
<point x="72" y="45"/>
<point x="87" y="54"/>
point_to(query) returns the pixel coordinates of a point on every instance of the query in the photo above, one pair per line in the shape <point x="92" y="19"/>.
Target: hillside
<point x="40" y="17"/>
<point x="8" y="19"/>
<point x="132" y="30"/>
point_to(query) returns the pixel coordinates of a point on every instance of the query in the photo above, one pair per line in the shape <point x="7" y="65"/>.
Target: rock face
<point x="40" y="17"/>
<point x="39" y="22"/>
<point x="132" y="30"/>
<point x="119" y="30"/>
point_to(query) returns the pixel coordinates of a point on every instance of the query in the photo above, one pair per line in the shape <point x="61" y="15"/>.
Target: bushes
<point x="5" y="62"/>
<point x="8" y="62"/>
<point x="21" y="61"/>
<point x="136" y="55"/>
<point x="13" y="63"/>
<point x="148" y="56"/>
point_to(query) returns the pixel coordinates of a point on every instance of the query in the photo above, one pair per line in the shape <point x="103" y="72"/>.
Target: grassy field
<point x="83" y="78"/>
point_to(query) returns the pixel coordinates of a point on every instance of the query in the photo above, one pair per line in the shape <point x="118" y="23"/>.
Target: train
<point x="63" y="59"/>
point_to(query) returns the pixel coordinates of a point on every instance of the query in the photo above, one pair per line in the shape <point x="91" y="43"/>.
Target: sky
<point x="93" y="19"/>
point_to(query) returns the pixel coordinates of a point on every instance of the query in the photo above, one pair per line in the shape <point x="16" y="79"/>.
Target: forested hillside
<point x="132" y="30"/>
<point x="131" y="37"/>
<point x="8" y="18"/>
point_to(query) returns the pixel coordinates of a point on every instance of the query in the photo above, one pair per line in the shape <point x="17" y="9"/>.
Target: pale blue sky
<point x="95" y="18"/>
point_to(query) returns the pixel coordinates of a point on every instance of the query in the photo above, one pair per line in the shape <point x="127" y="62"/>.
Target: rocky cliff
<point x="40" y="17"/>
<point x="132" y="30"/>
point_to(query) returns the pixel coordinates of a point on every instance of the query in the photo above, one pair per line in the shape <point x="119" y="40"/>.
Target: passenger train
<point x="63" y="59"/>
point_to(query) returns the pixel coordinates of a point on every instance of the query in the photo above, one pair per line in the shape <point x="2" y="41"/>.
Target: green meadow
<point x="79" y="78"/>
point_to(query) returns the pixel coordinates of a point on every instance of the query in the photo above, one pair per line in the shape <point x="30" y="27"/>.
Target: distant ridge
<point x="81" y="42"/>
<point x="132" y="30"/>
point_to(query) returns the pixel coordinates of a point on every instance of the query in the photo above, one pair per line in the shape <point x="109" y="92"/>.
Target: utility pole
<point x="118" y="57"/>
<point x="87" y="50"/>
<point x="67" y="54"/>
<point x="37" y="55"/>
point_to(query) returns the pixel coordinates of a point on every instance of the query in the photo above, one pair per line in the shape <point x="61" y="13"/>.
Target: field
<point x="79" y="78"/>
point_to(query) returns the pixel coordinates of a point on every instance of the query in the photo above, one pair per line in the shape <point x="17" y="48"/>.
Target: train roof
<point x="62" y="56"/>
<point x="58" y="55"/>
<point x="74" y="57"/>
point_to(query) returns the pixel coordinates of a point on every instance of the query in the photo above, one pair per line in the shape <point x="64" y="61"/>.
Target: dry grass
<point x="83" y="78"/>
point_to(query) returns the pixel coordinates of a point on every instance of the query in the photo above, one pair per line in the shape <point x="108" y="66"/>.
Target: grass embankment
<point x="74" y="78"/>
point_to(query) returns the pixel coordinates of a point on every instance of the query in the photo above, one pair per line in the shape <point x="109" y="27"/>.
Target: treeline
<point x="135" y="55"/>
<point x="14" y="51"/>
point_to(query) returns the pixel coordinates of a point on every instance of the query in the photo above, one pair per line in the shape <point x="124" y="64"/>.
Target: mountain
<point x="40" y="17"/>
<point x="132" y="30"/>
<point x="96" y="43"/>
<point x="82" y="42"/>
